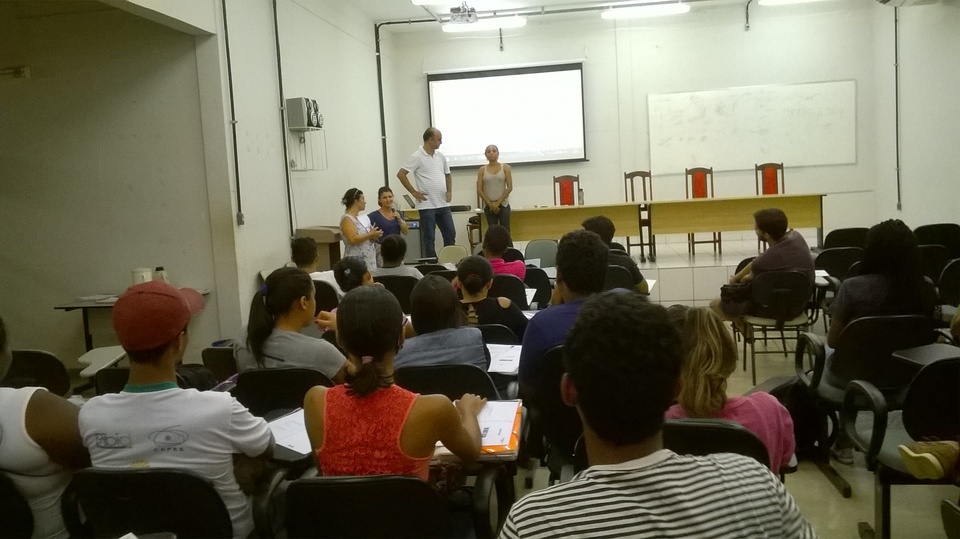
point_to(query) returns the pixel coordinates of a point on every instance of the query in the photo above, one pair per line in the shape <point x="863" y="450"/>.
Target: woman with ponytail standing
<point x="369" y="426"/>
<point x="283" y="306"/>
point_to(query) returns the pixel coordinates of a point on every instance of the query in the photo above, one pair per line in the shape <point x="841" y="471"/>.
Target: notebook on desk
<point x="499" y="429"/>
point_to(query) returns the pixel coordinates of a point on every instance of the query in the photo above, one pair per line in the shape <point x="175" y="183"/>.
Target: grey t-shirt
<point x="288" y="349"/>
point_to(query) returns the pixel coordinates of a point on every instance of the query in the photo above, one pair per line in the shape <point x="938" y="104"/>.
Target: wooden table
<point x="685" y="216"/>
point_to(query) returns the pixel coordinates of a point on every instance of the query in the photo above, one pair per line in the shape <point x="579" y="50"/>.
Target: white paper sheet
<point x="289" y="431"/>
<point x="504" y="358"/>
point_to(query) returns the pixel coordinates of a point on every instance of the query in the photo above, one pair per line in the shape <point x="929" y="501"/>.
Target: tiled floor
<point x="916" y="512"/>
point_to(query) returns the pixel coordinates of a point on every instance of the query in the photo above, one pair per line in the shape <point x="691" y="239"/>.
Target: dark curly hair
<point x="582" y="261"/>
<point x="623" y="355"/>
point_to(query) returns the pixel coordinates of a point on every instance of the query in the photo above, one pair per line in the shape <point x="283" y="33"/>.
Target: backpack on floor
<point x="796" y="398"/>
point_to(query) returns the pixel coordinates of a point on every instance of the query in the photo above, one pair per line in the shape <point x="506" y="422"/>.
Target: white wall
<point x="929" y="114"/>
<point x="709" y="49"/>
<point x="102" y="168"/>
<point x="262" y="242"/>
<point x="329" y="55"/>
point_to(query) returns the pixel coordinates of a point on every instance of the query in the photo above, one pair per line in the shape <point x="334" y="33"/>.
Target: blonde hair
<point x="709" y="357"/>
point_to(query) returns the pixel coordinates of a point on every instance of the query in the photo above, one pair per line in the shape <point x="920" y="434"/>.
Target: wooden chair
<point x="630" y="195"/>
<point x="769" y="178"/>
<point x="566" y="190"/>
<point x="699" y="184"/>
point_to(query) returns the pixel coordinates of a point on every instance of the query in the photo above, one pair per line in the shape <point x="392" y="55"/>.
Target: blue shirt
<point x="547" y="328"/>
<point x="389" y="227"/>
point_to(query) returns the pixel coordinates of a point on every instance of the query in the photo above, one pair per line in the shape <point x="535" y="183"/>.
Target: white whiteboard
<point x="736" y="128"/>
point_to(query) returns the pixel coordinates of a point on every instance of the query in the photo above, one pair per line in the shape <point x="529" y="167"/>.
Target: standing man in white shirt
<point x="433" y="191"/>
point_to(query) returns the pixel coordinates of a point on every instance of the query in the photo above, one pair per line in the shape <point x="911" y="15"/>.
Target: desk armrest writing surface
<point x="100" y="358"/>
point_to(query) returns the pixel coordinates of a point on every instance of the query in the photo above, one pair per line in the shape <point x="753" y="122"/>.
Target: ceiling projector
<point x="463" y="14"/>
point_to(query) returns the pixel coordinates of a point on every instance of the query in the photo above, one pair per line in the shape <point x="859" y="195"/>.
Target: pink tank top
<point x="361" y="435"/>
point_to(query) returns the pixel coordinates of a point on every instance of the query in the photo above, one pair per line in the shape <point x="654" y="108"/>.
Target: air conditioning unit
<point x="906" y="3"/>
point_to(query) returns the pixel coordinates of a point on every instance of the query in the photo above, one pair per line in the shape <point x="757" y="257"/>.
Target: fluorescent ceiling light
<point x="784" y="2"/>
<point x="656" y="10"/>
<point x="493" y="23"/>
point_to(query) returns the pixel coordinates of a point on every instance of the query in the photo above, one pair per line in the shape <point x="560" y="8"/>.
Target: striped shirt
<point x="663" y="495"/>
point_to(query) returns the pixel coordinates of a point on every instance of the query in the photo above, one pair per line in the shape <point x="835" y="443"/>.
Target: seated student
<point x="351" y="272"/>
<point x="495" y="243"/>
<point x="786" y="251"/>
<point x="283" y="306"/>
<point x="890" y="282"/>
<point x="40" y="445"/>
<point x="623" y="359"/>
<point x="393" y="249"/>
<point x="475" y="277"/>
<point x="442" y="336"/>
<point x="581" y="270"/>
<point x="709" y="357"/>
<point x="305" y="253"/>
<point x="203" y="429"/>
<point x="369" y="426"/>
<point x="604" y="228"/>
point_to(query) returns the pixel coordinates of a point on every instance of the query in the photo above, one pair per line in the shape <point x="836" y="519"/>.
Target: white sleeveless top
<point x="39" y="479"/>
<point x="366" y="250"/>
<point x="494" y="185"/>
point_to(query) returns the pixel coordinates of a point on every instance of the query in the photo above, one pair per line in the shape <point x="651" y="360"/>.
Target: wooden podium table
<point x="669" y="216"/>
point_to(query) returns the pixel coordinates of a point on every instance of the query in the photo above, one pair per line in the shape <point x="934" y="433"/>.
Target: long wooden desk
<point x="669" y="216"/>
<point x="730" y="213"/>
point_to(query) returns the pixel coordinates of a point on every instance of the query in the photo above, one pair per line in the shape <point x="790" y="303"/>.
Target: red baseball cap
<point x="151" y="314"/>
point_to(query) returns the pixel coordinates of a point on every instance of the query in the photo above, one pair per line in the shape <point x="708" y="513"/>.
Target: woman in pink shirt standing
<point x="495" y="243"/>
<point x="709" y="357"/>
